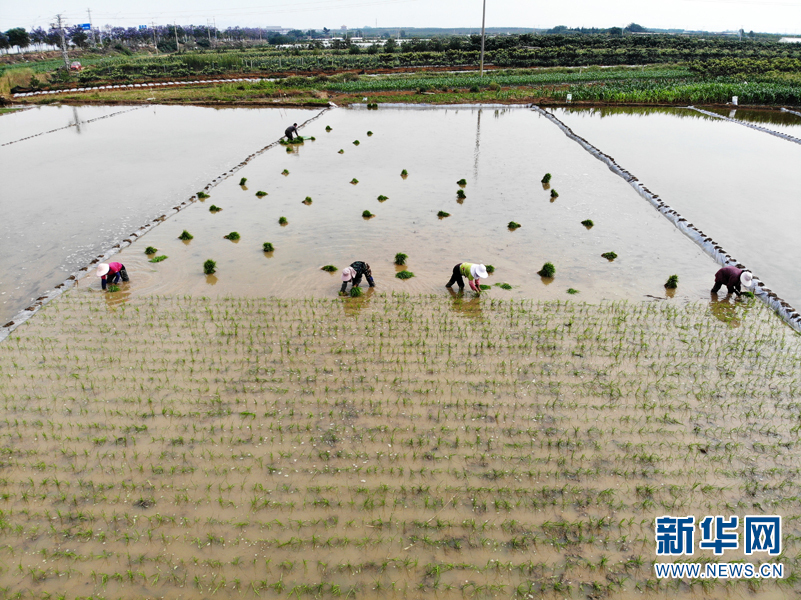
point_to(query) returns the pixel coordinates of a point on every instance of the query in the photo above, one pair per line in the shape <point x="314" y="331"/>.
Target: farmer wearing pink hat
<point x="354" y="274"/>
<point x="114" y="271"/>
<point x="473" y="272"/>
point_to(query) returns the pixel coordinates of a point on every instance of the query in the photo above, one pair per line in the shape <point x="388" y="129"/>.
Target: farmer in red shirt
<point x="732" y="278"/>
<point x="114" y="271"/>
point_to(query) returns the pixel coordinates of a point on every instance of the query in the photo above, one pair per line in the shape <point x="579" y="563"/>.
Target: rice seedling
<point x="610" y="256"/>
<point x="572" y="291"/>
<point x="233" y="236"/>
<point x="328" y="128"/>
<point x="307" y="201"/>
<point x="484" y="287"/>
<point x="209" y="267"/>
<point x="672" y="282"/>
<point x="547" y="270"/>
<point x="268" y="247"/>
<point x="202" y="195"/>
<point x="356" y="142"/>
<point x="243" y="181"/>
<point x="442" y="214"/>
<point x="369" y="133"/>
<point x="748" y="294"/>
<point x="113" y="288"/>
<point x="185" y="235"/>
<point x="382" y="198"/>
<point x="400" y="258"/>
<point x="512" y="225"/>
<point x="151" y="250"/>
<point x="283" y="221"/>
<point x="157" y="259"/>
<point x="404" y="173"/>
<point x="546" y="178"/>
<point x="404" y="274"/>
<point x="261" y="193"/>
<point x="214" y="209"/>
<point x="354" y="181"/>
<point x="462" y="182"/>
<point x="356" y="292"/>
<point x="329" y="269"/>
<point x="504" y="286"/>
<point x="367" y="214"/>
<point x="341" y="151"/>
<point x="588" y="223"/>
<point x="490" y="269"/>
<point x="554" y="194"/>
<point x="460" y="194"/>
<point x="285" y="172"/>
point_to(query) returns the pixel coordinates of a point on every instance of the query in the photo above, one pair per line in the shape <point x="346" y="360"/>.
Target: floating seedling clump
<point x="587" y="223"/>
<point x="307" y="201"/>
<point x="203" y="195"/>
<point x="282" y="221"/>
<point x="185" y="235"/>
<point x="547" y="270"/>
<point x="484" y="286"/>
<point x="355" y="292"/>
<point x="382" y="197"/>
<point x="504" y="286"/>
<point x="328" y="128"/>
<point x="461" y="182"/>
<point x="554" y="194"/>
<point x="400" y="258"/>
<point x="367" y="214"/>
<point x="285" y="172"/>
<point x="243" y="181"/>
<point x="268" y="247"/>
<point x="354" y="181"/>
<point x="341" y="151"/>
<point x="572" y="291"/>
<point x="748" y="294"/>
<point x="113" y="288"/>
<point x="261" y="194"/>
<point x="404" y="274"/>
<point x="512" y="225"/>
<point x="490" y="269"/>
<point x="404" y="173"/>
<point x="209" y="267"/>
<point x="672" y="283"/>
<point x="151" y="250"/>
<point x="610" y="256"/>
<point x="356" y="142"/>
<point x="460" y="194"/>
<point x="157" y="259"/>
<point x="214" y="209"/>
<point x="329" y="269"/>
<point x="369" y="133"/>
<point x="442" y="214"/>
<point x="233" y="236"/>
<point x="546" y="178"/>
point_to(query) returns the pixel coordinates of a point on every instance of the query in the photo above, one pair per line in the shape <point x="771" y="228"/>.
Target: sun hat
<point x="479" y="271"/>
<point x="348" y="273"/>
<point x="102" y="269"/>
<point x="746" y="278"/>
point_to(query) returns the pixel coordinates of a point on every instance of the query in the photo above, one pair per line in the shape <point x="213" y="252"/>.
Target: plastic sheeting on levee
<point x="778" y="134"/>
<point x="782" y="308"/>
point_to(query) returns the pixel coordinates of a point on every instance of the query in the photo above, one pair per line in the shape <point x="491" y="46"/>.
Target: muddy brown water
<point x="738" y="185"/>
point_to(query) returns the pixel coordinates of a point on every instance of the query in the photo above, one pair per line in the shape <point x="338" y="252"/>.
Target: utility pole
<point x="208" y="30"/>
<point x="92" y="29"/>
<point x="483" y="20"/>
<point x="176" y="36"/>
<point x="63" y="44"/>
<point x="155" y="43"/>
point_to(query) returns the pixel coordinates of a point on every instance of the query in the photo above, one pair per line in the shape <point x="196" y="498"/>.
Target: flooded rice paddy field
<point x="389" y="446"/>
<point x="738" y="185"/>
<point x="501" y="154"/>
<point x="72" y="193"/>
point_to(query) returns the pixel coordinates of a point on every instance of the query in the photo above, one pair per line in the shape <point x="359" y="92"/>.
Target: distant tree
<point x="354" y="49"/>
<point x="373" y="49"/>
<point x="38" y="37"/>
<point x="326" y="31"/>
<point x="18" y="37"/>
<point x="390" y="46"/>
<point x="615" y="31"/>
<point x="77" y="36"/>
<point x="558" y="29"/>
<point x="634" y="28"/>
<point x="296" y="34"/>
<point x="751" y="34"/>
<point x="4" y="43"/>
<point x="53" y="37"/>
<point x="402" y="33"/>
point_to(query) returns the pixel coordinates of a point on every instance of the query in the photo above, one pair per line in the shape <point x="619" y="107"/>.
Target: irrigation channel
<point x="249" y="434"/>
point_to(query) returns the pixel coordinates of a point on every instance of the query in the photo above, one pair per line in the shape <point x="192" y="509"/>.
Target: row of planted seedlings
<point x="279" y="447"/>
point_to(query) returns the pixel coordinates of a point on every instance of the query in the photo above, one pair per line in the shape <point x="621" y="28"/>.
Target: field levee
<point x="387" y="446"/>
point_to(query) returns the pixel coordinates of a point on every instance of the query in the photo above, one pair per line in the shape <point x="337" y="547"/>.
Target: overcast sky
<point x="778" y="16"/>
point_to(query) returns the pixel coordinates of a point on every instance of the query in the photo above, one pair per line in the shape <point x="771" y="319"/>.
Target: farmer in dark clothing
<point x="473" y="272"/>
<point x="354" y="274"/>
<point x="732" y="278"/>
<point x="292" y="129"/>
<point x="114" y="271"/>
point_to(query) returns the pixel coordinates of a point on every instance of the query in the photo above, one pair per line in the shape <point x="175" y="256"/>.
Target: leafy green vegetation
<point x="461" y="182"/>
<point x="328" y="128"/>
<point x="214" y="209"/>
<point x="282" y="221"/>
<point x="400" y="258"/>
<point x="285" y="172"/>
<point x="268" y="247"/>
<point x="209" y="267"/>
<point x="490" y="269"/>
<point x="672" y="282"/>
<point x="587" y="223"/>
<point x="151" y="250"/>
<point x="512" y="225"/>
<point x="442" y="214"/>
<point x="329" y="268"/>
<point x="307" y="201"/>
<point x="185" y="235"/>
<point x="504" y="286"/>
<point x="546" y="178"/>
<point x="261" y="194"/>
<point x="203" y="195"/>
<point x="554" y="194"/>
<point x="243" y="181"/>
<point x="369" y="133"/>
<point x="233" y="236"/>
<point x="610" y="256"/>
<point x="356" y="292"/>
<point x="113" y="288"/>
<point x="404" y="173"/>
<point x="382" y="198"/>
<point x="547" y="270"/>
<point x="356" y="142"/>
<point x="354" y="181"/>
<point x="460" y="194"/>
<point x="367" y="214"/>
<point x="157" y="259"/>
<point x="404" y="274"/>
<point x="572" y="291"/>
<point x="484" y="287"/>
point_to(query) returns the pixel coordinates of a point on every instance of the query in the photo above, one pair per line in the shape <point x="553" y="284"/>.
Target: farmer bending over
<point x="473" y="272"/>
<point x="354" y="274"/>
<point x="114" y="270"/>
<point x="290" y="130"/>
<point x="732" y="278"/>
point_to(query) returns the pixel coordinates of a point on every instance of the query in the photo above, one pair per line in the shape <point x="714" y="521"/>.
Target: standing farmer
<point x="354" y="274"/>
<point x="473" y="272"/>
<point x="114" y="271"/>
<point x="292" y="129"/>
<point x="732" y="278"/>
